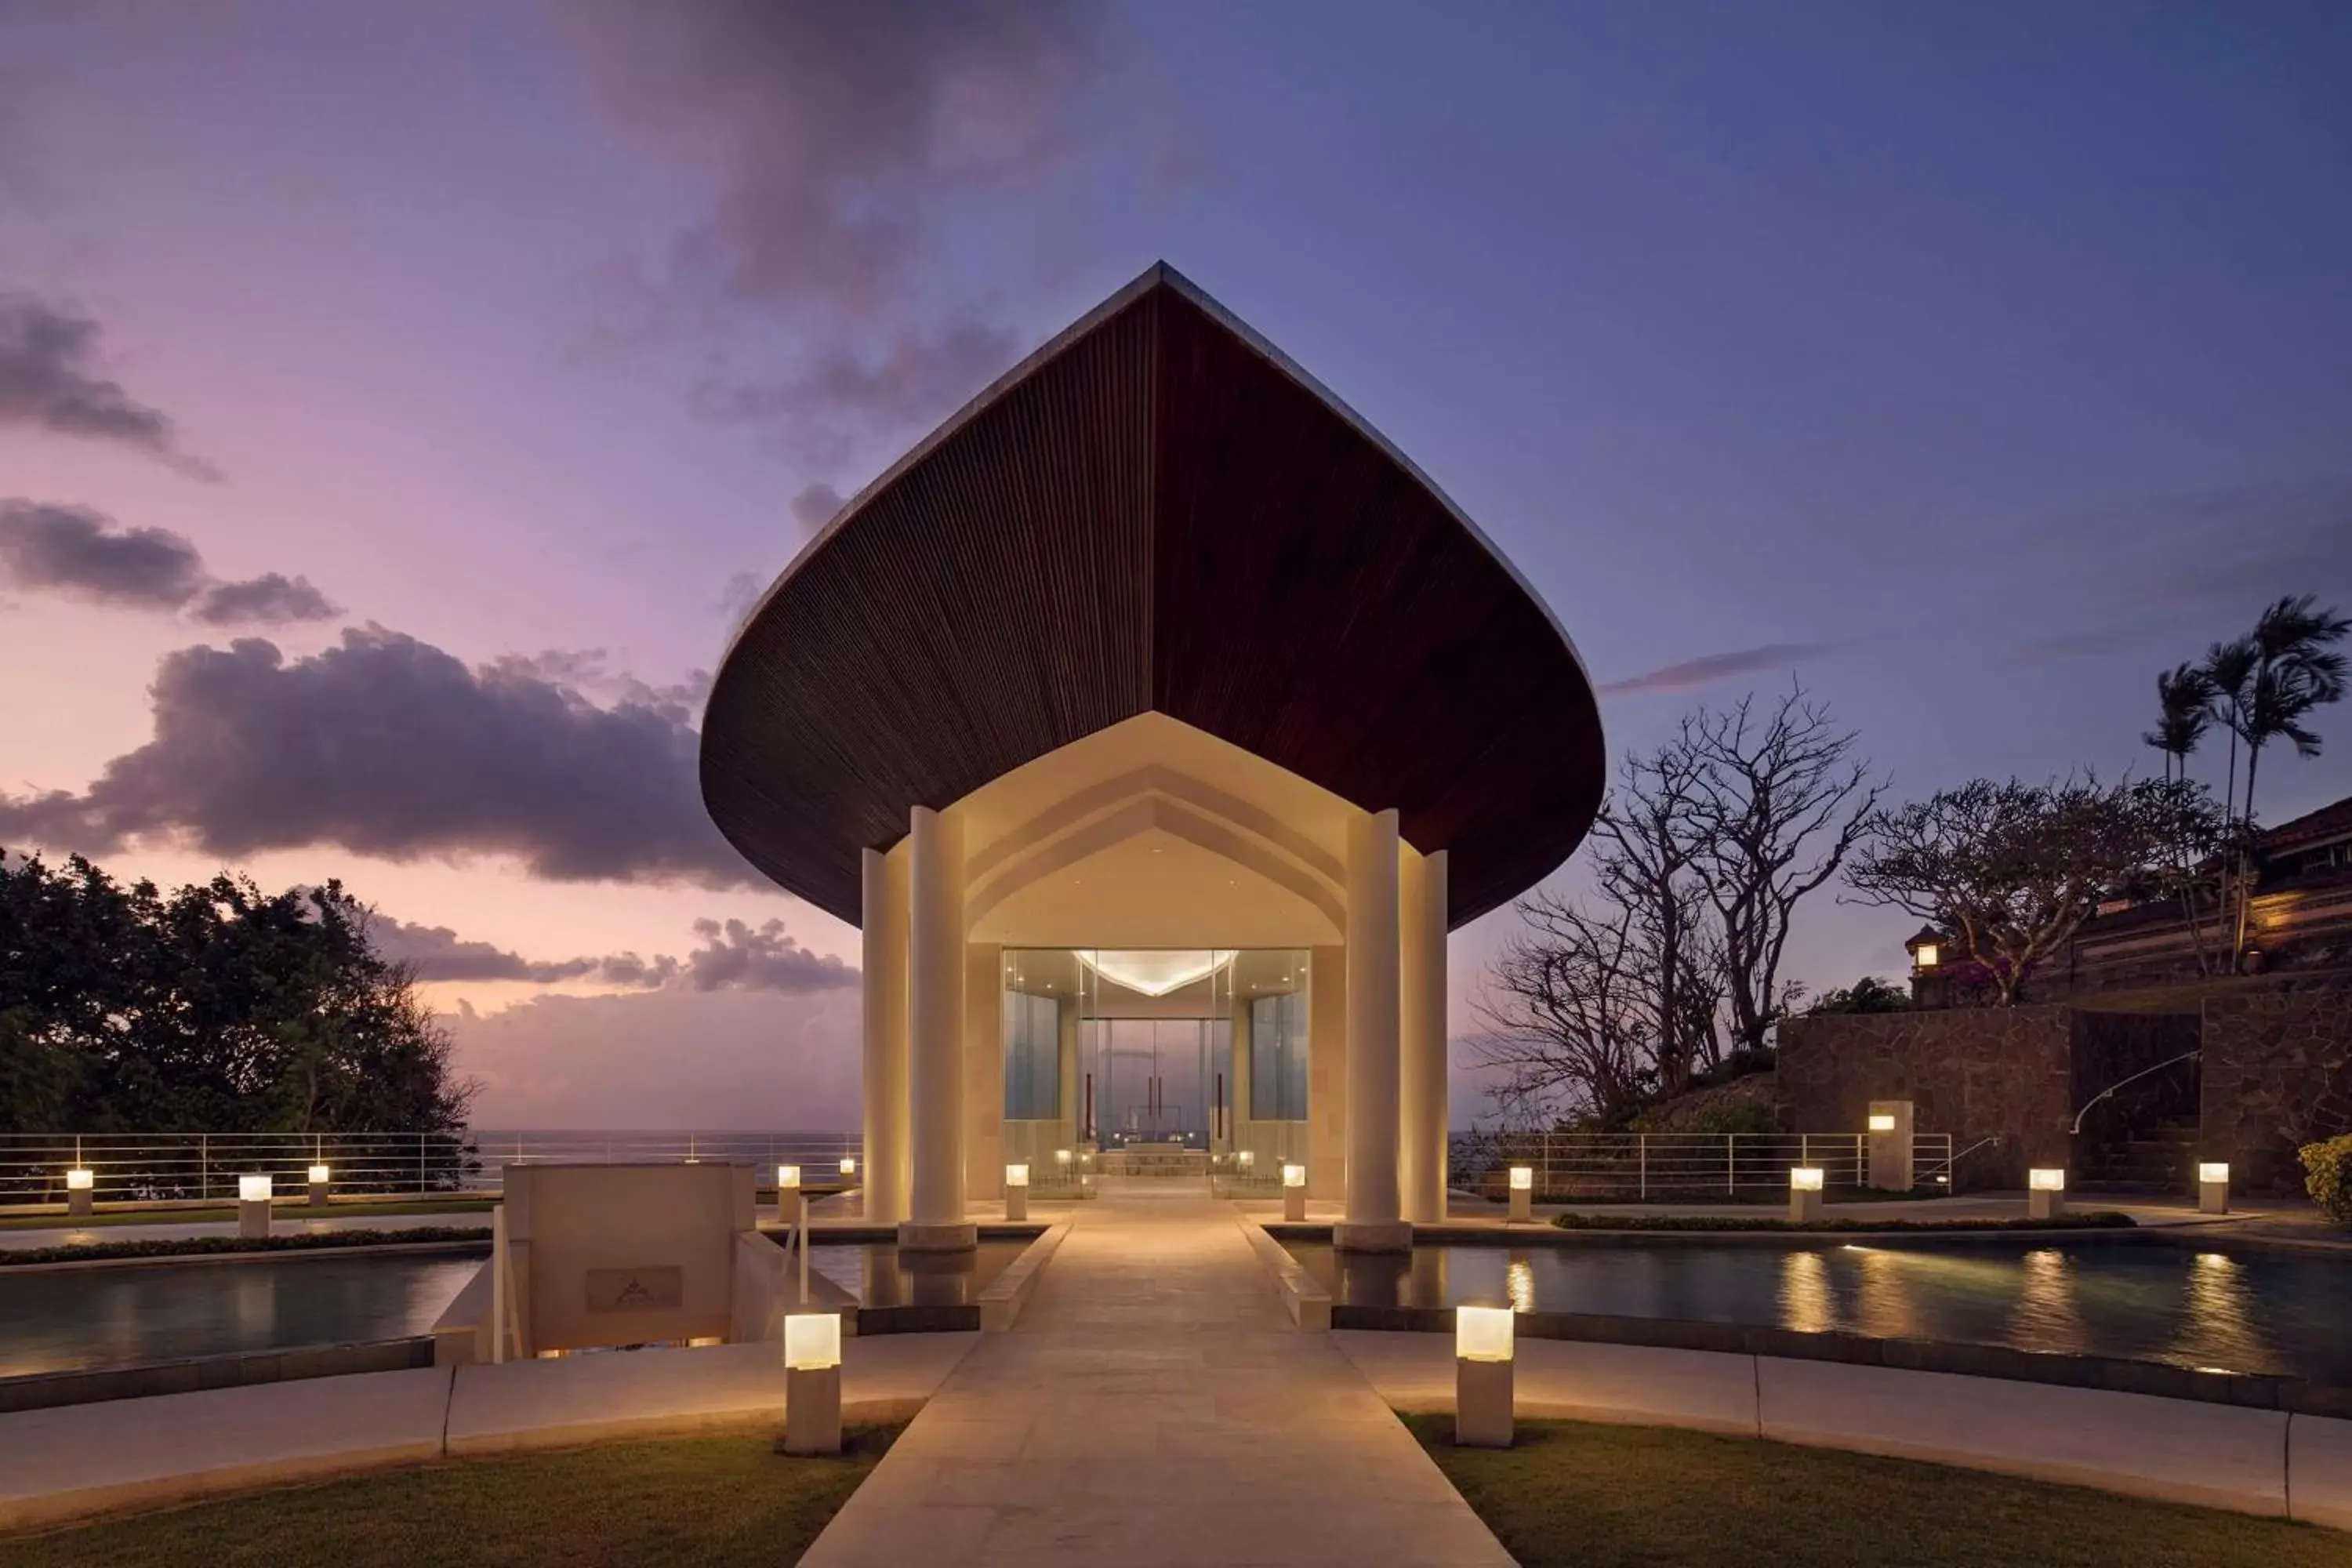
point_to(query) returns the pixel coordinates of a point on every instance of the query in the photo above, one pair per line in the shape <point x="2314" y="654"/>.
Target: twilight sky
<point x="398" y="402"/>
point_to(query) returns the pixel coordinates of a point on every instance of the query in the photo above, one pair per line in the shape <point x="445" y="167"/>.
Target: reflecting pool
<point x="84" y="1319"/>
<point x="2246" y="1312"/>
<point x="878" y="1275"/>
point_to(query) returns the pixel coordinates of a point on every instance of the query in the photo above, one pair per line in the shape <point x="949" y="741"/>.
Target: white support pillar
<point x="1420" y="1150"/>
<point x="935" y="982"/>
<point x="885" y="1169"/>
<point x="1375" y="1221"/>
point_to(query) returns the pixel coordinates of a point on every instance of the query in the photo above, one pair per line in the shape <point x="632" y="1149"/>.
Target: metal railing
<point x="1671" y="1167"/>
<point x="157" y="1167"/>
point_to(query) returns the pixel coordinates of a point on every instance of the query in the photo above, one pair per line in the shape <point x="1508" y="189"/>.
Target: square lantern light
<point x="1804" y="1178"/>
<point x="1016" y="1176"/>
<point x="812" y="1340"/>
<point x="1061" y="1156"/>
<point x="1294" y="1175"/>
<point x="788" y="1179"/>
<point x="253" y="1189"/>
<point x="848" y="1165"/>
<point x="1881" y="1121"/>
<point x="1523" y="1178"/>
<point x="1482" y="1333"/>
<point x="2213" y="1172"/>
<point x="81" y="1179"/>
<point x="2045" y="1181"/>
<point x="318" y="1174"/>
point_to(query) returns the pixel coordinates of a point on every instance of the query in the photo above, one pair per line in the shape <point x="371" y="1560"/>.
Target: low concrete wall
<point x="2252" y="1461"/>
<point x="47" y="1391"/>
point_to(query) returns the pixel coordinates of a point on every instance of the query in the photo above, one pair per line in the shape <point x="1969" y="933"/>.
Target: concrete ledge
<point x="1303" y="1295"/>
<point x="1628" y="1383"/>
<point x="47" y="1391"/>
<point x="2319" y="1470"/>
<point x="950" y="1237"/>
<point x="1373" y="1235"/>
<point x="93" y="1458"/>
<point x="1001" y="1302"/>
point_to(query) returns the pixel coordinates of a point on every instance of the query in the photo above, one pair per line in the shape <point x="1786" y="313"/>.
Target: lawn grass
<point x="681" y="1501"/>
<point x="295" y="1211"/>
<point x="1575" y="1493"/>
<point x="210" y="1245"/>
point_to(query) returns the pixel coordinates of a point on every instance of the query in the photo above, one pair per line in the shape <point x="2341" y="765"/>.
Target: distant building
<point x="2300" y="920"/>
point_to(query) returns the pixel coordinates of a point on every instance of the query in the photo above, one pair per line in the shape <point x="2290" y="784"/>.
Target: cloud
<point x="75" y="551"/>
<point x="49" y="381"/>
<point x="818" y="413"/>
<point x="738" y="956"/>
<point x="439" y="953"/>
<point x="815" y="507"/>
<point x="830" y="134"/>
<point x="1714" y="666"/>
<point x="387" y="746"/>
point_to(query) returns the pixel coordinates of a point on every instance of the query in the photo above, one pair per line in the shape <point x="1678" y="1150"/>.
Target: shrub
<point x="2327" y="1175"/>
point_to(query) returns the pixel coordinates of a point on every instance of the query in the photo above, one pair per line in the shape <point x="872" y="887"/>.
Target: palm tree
<point x="2184" y="696"/>
<point x="2296" y="670"/>
<point x="2229" y="679"/>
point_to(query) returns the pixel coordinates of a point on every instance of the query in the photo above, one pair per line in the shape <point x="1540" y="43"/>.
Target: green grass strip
<point x="202" y="1245"/>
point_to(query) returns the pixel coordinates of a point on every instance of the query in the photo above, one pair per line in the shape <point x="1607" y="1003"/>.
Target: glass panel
<point x="1033" y="1057"/>
<point x="1279" y="1057"/>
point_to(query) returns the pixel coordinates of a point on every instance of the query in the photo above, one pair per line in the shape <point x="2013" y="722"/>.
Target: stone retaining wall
<point x="2277" y="1074"/>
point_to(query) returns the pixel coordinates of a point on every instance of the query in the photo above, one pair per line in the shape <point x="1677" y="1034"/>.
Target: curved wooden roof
<point x="1155" y="511"/>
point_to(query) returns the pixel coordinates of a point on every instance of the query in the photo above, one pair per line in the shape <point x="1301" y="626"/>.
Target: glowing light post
<point x="1523" y="1195"/>
<point x="81" y="1190"/>
<point x="1890" y="1163"/>
<point x="2212" y="1187"/>
<point x="320" y="1181"/>
<point x="1017" y="1191"/>
<point x="253" y="1205"/>
<point x="848" y="1169"/>
<point x="1294" y="1193"/>
<point x="812" y="1382"/>
<point x="2046" y="1194"/>
<point x="1804" y="1195"/>
<point x="1482" y="1401"/>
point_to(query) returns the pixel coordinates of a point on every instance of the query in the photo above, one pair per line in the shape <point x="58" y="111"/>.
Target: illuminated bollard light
<point x="81" y="1190"/>
<point x="2046" y="1194"/>
<point x="1804" y="1195"/>
<point x="812" y="1382"/>
<point x="253" y="1205"/>
<point x="788" y="1194"/>
<point x="1294" y="1193"/>
<point x="1481" y="1377"/>
<point x="1523" y="1193"/>
<point x="848" y="1167"/>
<point x="2213" y="1188"/>
<point x="1017" y="1191"/>
<point x="320" y="1180"/>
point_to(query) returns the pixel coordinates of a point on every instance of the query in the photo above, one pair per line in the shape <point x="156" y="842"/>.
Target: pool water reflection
<point x="878" y="1275"/>
<point x="2245" y="1312"/>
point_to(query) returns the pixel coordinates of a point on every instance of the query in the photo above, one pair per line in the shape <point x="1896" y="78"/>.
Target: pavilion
<point x="1156" y="720"/>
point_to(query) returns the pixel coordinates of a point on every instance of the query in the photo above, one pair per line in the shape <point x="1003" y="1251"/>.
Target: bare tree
<point x="1649" y="843"/>
<point x="1776" y="803"/>
<point x="2014" y="869"/>
<point x="1567" y="1025"/>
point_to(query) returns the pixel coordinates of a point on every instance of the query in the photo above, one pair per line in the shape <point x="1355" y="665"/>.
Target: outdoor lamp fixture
<point x="320" y="1176"/>
<point x="1882" y="1123"/>
<point x="788" y="1179"/>
<point x="2212" y="1187"/>
<point x="848" y="1165"/>
<point x="1294" y="1193"/>
<point x="1804" y="1195"/>
<point x="1523" y="1195"/>
<point x="81" y="1189"/>
<point x="1925" y="949"/>
<point x="1017" y="1191"/>
<point x="253" y="1205"/>
<point x="791" y="1204"/>
<point x="812" y="1382"/>
<point x="2046" y="1194"/>
<point x="1481" y="1377"/>
<point x="1246" y="1159"/>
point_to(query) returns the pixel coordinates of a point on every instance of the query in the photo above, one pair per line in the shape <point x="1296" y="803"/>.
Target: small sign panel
<point x="659" y="1287"/>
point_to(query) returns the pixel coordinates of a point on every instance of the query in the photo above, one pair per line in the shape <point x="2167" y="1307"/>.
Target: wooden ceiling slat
<point x="1152" y="514"/>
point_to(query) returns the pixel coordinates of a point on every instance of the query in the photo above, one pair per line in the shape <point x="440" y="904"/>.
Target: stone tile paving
<point x="1155" y="1407"/>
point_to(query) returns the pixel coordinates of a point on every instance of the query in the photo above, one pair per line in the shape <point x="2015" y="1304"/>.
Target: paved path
<point x="1154" y="1405"/>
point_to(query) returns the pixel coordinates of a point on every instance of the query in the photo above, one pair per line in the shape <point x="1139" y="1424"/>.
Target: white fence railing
<point x="162" y="1167"/>
<point x="1669" y="1167"/>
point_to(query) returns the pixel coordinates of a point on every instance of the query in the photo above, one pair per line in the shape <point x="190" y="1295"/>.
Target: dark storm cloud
<point x="1714" y="666"/>
<point x="49" y="381"/>
<point x="830" y="130"/>
<point x="76" y="551"/>
<point x="738" y="956"/>
<point x="388" y="746"/>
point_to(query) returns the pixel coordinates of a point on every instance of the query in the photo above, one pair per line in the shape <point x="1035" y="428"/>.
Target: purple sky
<point x="1972" y="361"/>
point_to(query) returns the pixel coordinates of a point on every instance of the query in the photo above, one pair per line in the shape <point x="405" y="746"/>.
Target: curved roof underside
<point x="1154" y="511"/>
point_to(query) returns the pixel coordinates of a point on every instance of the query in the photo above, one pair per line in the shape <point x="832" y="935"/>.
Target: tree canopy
<point x="219" y="1007"/>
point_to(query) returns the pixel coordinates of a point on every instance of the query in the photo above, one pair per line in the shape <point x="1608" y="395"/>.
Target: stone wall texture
<point x="1973" y="1073"/>
<point x="2277" y="1074"/>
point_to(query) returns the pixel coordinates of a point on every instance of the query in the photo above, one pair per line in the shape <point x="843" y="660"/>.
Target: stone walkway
<point x="1154" y="1405"/>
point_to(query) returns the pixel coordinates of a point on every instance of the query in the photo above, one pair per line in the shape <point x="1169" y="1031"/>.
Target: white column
<point x="885" y="1170"/>
<point x="1420" y="1154"/>
<point x="935" y="961"/>
<point x="1374" y="1221"/>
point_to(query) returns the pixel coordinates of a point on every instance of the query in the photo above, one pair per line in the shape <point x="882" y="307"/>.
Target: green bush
<point x="2327" y="1175"/>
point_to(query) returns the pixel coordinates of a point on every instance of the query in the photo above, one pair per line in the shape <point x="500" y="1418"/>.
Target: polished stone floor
<point x="1154" y="1405"/>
